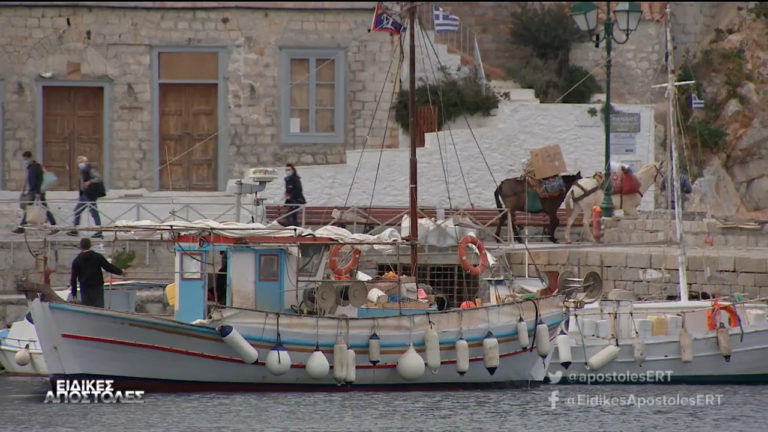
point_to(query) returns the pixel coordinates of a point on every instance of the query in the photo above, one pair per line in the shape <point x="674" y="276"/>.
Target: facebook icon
<point x="553" y="398"/>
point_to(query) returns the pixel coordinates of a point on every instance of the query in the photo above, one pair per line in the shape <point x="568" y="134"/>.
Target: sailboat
<point x="620" y="340"/>
<point x="286" y="325"/>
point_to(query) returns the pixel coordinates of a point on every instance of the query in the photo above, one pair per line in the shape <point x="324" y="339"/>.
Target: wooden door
<point x="72" y="126"/>
<point x="188" y="144"/>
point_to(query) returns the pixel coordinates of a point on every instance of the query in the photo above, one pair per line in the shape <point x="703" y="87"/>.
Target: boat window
<point x="191" y="266"/>
<point x="269" y="267"/>
<point x="312" y="89"/>
<point x="311" y="257"/>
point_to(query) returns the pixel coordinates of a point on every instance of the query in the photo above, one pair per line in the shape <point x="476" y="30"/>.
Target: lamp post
<point x="627" y="18"/>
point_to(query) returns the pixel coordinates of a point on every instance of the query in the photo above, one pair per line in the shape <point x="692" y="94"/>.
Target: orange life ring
<point x="714" y="312"/>
<point x="334" y="263"/>
<point x="469" y="268"/>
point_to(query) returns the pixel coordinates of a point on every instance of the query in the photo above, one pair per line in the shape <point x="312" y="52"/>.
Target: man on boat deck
<point x="86" y="269"/>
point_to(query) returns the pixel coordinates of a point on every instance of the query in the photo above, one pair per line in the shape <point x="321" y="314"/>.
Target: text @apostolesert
<point x="620" y="377"/>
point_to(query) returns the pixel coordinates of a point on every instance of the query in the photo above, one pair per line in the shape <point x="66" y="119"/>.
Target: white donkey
<point x="588" y="192"/>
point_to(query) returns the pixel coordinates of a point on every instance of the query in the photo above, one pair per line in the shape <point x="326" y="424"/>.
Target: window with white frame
<point x="312" y="96"/>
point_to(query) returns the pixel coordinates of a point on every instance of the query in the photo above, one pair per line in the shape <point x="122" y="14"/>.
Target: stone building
<point x="184" y="95"/>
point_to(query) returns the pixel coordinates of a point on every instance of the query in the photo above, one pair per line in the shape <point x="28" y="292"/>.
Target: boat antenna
<point x="674" y="182"/>
<point x="413" y="190"/>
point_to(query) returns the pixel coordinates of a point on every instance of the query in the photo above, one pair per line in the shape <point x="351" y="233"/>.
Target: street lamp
<point x="627" y="18"/>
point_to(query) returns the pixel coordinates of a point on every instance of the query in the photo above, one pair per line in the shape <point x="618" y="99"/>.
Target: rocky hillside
<point x="732" y="69"/>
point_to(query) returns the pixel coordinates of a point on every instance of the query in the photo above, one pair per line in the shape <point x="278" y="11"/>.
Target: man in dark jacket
<point x="34" y="191"/>
<point x="294" y="195"/>
<point x="86" y="269"/>
<point x="90" y="183"/>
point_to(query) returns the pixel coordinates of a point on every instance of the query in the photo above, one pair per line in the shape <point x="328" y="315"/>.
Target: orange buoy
<point x="469" y="268"/>
<point x="467" y="304"/>
<point x="713" y="315"/>
<point x="333" y="261"/>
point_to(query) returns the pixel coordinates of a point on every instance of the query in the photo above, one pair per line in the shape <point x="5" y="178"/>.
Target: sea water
<point x="545" y="407"/>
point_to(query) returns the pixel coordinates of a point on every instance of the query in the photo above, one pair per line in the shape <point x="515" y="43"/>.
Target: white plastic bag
<point x="49" y="180"/>
<point x="35" y="214"/>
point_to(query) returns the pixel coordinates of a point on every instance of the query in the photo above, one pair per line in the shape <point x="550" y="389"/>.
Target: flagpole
<point x="413" y="192"/>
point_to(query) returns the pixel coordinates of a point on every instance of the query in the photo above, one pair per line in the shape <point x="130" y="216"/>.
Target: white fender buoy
<point x="339" y="360"/>
<point x="234" y="339"/>
<point x="22" y="356"/>
<point x="638" y="347"/>
<point x="543" y="345"/>
<point x="462" y="356"/>
<point x="432" y="349"/>
<point x="723" y="341"/>
<point x="490" y="352"/>
<point x="603" y="357"/>
<point x="278" y="359"/>
<point x="563" y="342"/>
<point x="686" y="346"/>
<point x="317" y="365"/>
<point x="522" y="333"/>
<point x="410" y="365"/>
<point x="374" y="349"/>
<point x="349" y="367"/>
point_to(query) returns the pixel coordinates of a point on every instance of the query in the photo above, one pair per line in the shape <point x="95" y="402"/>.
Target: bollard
<point x="596" y="223"/>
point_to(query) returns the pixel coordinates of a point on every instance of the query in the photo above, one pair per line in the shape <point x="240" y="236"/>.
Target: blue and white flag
<point x="444" y="21"/>
<point x="696" y="103"/>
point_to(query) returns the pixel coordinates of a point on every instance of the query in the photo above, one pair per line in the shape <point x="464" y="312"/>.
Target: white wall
<point x="519" y="128"/>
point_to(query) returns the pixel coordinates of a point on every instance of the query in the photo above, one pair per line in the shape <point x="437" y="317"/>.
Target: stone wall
<point x="116" y="44"/>
<point x="736" y="260"/>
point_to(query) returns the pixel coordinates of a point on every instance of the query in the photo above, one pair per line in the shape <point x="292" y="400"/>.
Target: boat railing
<point x="355" y="218"/>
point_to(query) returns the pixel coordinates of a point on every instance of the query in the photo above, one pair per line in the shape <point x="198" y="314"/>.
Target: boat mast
<point x="674" y="182"/>
<point x="413" y="214"/>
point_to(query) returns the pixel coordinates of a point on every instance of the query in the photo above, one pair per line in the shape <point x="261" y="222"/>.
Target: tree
<point x="548" y="31"/>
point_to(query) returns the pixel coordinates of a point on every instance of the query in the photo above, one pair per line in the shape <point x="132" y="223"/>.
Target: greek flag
<point x="445" y="22"/>
<point x="696" y="103"/>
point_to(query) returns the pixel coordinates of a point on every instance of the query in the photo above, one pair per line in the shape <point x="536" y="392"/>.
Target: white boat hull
<point x="139" y="351"/>
<point x="21" y="335"/>
<point x="663" y="364"/>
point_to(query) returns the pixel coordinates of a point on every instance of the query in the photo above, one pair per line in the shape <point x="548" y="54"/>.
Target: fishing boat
<point x="299" y="314"/>
<point x="20" y="352"/>
<point x="620" y="339"/>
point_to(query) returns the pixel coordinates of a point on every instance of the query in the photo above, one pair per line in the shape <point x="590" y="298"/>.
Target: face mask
<point x="81" y="165"/>
<point x="288" y="173"/>
<point x="26" y="162"/>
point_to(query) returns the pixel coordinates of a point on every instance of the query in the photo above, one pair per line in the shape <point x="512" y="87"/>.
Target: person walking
<point x="294" y="195"/>
<point x="86" y="269"/>
<point x="685" y="189"/>
<point x="91" y="189"/>
<point x="34" y="191"/>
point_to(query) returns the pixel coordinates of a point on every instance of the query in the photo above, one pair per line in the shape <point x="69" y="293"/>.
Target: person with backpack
<point x="91" y="189"/>
<point x="34" y="192"/>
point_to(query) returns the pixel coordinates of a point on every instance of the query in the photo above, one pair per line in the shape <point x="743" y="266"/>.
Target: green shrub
<point x="453" y="99"/>
<point x="548" y="31"/>
<point x="711" y="137"/>
<point x="760" y="10"/>
<point x="123" y="259"/>
<point x="584" y="91"/>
